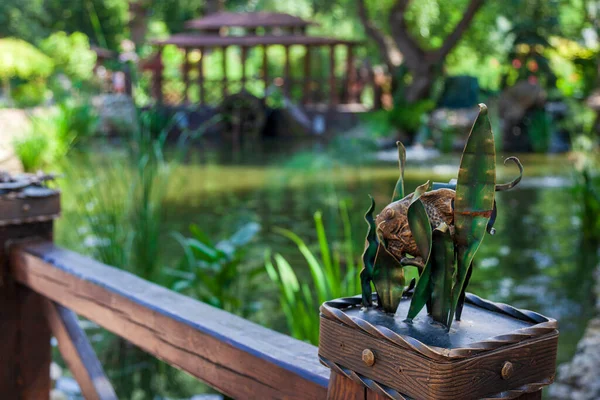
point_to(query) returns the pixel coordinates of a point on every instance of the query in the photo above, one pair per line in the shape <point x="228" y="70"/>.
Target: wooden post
<point x="186" y="76"/>
<point x="201" y="76"/>
<point x="307" y="77"/>
<point x="286" y="73"/>
<point x="332" y="88"/>
<point x="25" y="335"/>
<point x="350" y="75"/>
<point x="266" y="66"/>
<point x="244" y="56"/>
<point x="224" y="52"/>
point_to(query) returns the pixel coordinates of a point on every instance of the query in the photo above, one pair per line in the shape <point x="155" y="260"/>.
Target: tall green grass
<point x="334" y="272"/>
<point x="53" y="135"/>
<point x="117" y="209"/>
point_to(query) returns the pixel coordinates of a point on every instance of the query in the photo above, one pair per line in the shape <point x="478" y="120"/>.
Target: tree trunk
<point x="422" y="82"/>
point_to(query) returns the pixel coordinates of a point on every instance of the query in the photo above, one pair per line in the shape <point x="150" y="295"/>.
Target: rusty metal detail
<point x="368" y="357"/>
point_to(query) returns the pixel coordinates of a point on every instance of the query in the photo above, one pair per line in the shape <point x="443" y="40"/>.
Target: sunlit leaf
<point x="474" y="202"/>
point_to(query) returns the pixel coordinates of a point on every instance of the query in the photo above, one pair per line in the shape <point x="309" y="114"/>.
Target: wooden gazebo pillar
<point x="244" y="56"/>
<point x="307" y="75"/>
<point x="265" y="72"/>
<point x="224" y="65"/>
<point x="186" y="76"/>
<point x="332" y="89"/>
<point x="201" y="76"/>
<point x="350" y="75"/>
<point x="286" y="72"/>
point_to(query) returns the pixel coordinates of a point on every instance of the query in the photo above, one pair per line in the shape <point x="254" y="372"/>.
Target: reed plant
<point x="333" y="273"/>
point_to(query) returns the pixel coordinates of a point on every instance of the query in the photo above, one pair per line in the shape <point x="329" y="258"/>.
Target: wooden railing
<point x="43" y="287"/>
<point x="231" y="354"/>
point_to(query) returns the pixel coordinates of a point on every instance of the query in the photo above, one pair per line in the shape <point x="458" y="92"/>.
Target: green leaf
<point x="245" y="234"/>
<point x="316" y="269"/>
<point x="443" y="266"/>
<point x="422" y="293"/>
<point x="200" y="235"/>
<point x="419" y="224"/>
<point x="368" y="257"/>
<point x="474" y="201"/>
<point x="399" y="188"/>
<point x="324" y="248"/>
<point x="388" y="278"/>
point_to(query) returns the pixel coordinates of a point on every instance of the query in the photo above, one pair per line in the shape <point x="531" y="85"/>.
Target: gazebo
<point x="262" y="30"/>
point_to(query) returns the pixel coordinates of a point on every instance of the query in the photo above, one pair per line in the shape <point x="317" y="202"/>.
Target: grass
<point x="334" y="274"/>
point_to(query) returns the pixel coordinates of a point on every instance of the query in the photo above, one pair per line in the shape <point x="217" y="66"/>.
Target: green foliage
<point x="300" y="300"/>
<point x="214" y="273"/>
<point x="32" y="150"/>
<point x="71" y="54"/>
<point x="53" y="134"/>
<point x="539" y="130"/>
<point x="22" y="60"/>
<point x="30" y="94"/>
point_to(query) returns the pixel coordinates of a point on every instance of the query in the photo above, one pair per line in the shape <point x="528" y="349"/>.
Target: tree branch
<point x="412" y="52"/>
<point x="377" y="36"/>
<point x="459" y="30"/>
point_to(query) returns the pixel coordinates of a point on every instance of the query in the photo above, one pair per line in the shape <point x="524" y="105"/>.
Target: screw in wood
<point x="507" y="370"/>
<point x="368" y="357"/>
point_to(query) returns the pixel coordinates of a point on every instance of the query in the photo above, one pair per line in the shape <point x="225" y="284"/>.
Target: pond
<point x="533" y="261"/>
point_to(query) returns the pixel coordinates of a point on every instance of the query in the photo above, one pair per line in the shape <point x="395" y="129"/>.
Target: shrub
<point x="32" y="150"/>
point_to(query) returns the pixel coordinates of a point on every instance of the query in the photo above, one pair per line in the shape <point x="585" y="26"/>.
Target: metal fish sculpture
<point x="438" y="231"/>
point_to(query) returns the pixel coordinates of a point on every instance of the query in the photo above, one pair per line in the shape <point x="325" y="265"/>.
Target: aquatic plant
<point x="300" y="300"/>
<point x="437" y="231"/>
<point x="213" y="273"/>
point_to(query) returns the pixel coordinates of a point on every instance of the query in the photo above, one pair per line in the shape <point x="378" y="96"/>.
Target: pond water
<point x="533" y="261"/>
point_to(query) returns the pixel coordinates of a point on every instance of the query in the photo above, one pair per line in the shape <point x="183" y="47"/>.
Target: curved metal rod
<point x="507" y="186"/>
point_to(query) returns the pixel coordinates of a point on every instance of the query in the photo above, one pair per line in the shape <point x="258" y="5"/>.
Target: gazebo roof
<point x="247" y="20"/>
<point x="194" y="40"/>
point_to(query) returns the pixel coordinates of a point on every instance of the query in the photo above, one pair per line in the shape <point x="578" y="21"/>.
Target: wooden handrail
<point x="233" y="355"/>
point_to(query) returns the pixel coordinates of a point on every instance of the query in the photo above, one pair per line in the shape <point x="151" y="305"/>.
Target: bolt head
<point x="368" y="357"/>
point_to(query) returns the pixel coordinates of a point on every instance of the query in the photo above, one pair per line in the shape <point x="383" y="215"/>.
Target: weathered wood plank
<point x="25" y="351"/>
<point x="78" y="353"/>
<point x="233" y="355"/>
<point x="342" y="388"/>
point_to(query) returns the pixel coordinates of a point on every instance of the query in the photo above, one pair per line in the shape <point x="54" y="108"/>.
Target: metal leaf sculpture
<point x="438" y="231"/>
<point x="399" y="189"/>
<point x="388" y="278"/>
<point x="371" y="244"/>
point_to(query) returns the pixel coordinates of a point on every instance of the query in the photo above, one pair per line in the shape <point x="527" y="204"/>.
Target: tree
<point x="401" y="48"/>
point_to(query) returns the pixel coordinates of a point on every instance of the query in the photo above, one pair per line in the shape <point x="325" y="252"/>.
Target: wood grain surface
<point x="416" y="376"/>
<point x="78" y="353"/>
<point x="235" y="356"/>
